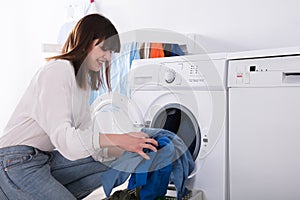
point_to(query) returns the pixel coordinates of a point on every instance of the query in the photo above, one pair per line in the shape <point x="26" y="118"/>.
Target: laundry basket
<point x="171" y="194"/>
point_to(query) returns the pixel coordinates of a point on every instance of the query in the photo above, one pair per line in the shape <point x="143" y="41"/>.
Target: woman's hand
<point x="137" y="141"/>
<point x="134" y="142"/>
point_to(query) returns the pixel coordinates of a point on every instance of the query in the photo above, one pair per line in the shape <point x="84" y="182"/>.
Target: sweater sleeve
<point x="54" y="113"/>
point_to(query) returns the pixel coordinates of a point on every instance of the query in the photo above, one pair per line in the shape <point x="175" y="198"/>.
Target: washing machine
<point x="183" y="94"/>
<point x="187" y="95"/>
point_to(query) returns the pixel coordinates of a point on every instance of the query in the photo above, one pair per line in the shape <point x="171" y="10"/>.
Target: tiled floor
<point x="99" y="193"/>
<point x="96" y="195"/>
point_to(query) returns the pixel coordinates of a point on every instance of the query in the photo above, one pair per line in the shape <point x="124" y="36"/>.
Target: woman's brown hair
<point x="76" y="48"/>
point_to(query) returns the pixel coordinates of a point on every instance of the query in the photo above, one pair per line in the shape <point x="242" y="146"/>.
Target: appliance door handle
<point x="291" y="73"/>
<point x="291" y="77"/>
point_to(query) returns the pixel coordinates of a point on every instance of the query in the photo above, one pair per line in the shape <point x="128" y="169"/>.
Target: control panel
<point x="194" y="71"/>
<point x="260" y="72"/>
<point x="181" y="74"/>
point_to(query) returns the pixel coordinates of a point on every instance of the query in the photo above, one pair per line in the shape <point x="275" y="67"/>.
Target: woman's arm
<point x="134" y="142"/>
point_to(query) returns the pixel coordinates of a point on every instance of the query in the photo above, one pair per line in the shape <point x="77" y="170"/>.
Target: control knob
<point x="170" y="75"/>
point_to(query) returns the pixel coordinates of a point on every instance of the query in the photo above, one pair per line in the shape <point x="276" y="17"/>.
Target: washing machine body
<point x="115" y="113"/>
<point x="187" y="95"/>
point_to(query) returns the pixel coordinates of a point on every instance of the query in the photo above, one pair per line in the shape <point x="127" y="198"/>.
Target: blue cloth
<point x="134" y="53"/>
<point x="121" y="65"/>
<point x="176" y="50"/>
<point x="181" y="161"/>
<point x="154" y="183"/>
<point x="119" y="70"/>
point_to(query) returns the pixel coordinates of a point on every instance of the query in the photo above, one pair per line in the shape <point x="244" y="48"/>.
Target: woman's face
<point x="97" y="56"/>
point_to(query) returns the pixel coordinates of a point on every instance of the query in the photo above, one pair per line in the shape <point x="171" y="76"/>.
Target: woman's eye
<point x="103" y="48"/>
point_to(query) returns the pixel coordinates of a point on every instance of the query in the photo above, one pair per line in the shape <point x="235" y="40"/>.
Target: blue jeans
<point x="31" y="174"/>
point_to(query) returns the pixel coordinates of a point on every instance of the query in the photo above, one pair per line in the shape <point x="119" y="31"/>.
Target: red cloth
<point x="157" y="50"/>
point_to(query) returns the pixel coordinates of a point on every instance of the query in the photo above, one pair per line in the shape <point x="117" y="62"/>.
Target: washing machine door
<point x="115" y="113"/>
<point x="177" y="112"/>
<point x="180" y="120"/>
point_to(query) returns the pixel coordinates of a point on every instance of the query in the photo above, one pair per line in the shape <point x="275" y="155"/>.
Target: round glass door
<point x="179" y="120"/>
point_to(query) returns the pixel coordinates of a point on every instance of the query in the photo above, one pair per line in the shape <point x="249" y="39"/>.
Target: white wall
<point x="25" y="25"/>
<point x="224" y="25"/>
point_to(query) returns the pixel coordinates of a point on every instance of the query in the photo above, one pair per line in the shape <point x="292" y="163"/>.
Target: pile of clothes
<point x="172" y="163"/>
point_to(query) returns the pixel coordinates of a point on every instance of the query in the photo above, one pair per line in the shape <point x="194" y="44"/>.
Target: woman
<point x="48" y="148"/>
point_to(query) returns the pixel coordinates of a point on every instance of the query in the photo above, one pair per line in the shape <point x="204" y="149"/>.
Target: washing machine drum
<point x="178" y="119"/>
<point x="114" y="113"/>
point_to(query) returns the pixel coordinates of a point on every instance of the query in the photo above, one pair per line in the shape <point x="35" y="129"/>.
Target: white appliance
<point x="264" y="128"/>
<point x="187" y="95"/>
<point x="115" y="113"/>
